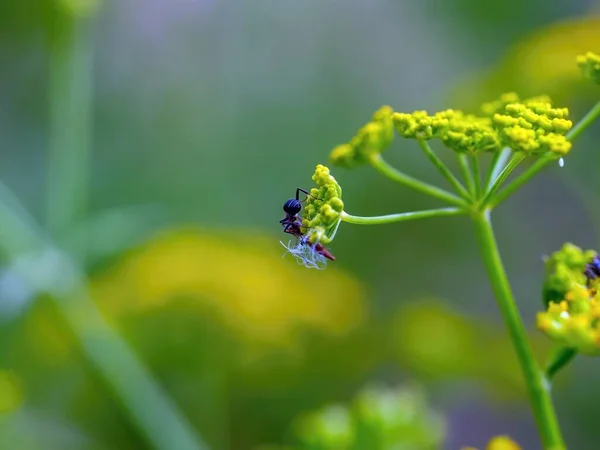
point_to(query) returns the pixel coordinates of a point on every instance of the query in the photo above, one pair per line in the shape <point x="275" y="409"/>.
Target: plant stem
<point x="402" y="217"/>
<point x="392" y="173"/>
<point x="476" y="175"/>
<point x="561" y="358"/>
<point x="584" y="123"/>
<point x="498" y="162"/>
<point x="542" y="162"/>
<point x="70" y="95"/>
<point x="501" y="178"/>
<point x="444" y="170"/>
<point x="467" y="173"/>
<point x="537" y="385"/>
<point x="70" y="92"/>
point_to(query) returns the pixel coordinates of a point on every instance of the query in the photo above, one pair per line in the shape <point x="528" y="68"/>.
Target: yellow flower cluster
<point x="463" y="133"/>
<point x="589" y="64"/>
<point x="499" y="443"/>
<point x="532" y="126"/>
<point x="571" y="320"/>
<point x="323" y="207"/>
<point x="371" y="139"/>
<point x="564" y="269"/>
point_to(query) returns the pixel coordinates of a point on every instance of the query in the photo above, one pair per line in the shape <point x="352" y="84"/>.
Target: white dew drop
<point x="561" y="162"/>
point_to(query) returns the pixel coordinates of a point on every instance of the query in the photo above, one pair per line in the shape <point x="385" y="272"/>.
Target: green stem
<point x="444" y="170"/>
<point x="560" y="359"/>
<point x="392" y="173"/>
<point x="516" y="159"/>
<point x="70" y="92"/>
<point x="536" y="383"/>
<point x="476" y="175"/>
<point x="542" y="162"/>
<point x="523" y="178"/>
<point x="498" y="162"/>
<point x="70" y="96"/>
<point x="584" y="123"/>
<point x="467" y="174"/>
<point x="402" y="217"/>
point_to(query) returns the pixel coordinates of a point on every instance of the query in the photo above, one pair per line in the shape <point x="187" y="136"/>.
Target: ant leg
<point x="305" y="192"/>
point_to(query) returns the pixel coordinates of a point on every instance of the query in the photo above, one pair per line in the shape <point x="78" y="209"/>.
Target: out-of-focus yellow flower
<point x="257" y="295"/>
<point x="541" y="62"/>
<point x="432" y="341"/>
<point x="11" y="393"/>
<point x="499" y="443"/>
<point x="48" y="343"/>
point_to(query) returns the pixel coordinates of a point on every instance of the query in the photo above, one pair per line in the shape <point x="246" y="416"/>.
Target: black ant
<point x="292" y="223"/>
<point x="592" y="270"/>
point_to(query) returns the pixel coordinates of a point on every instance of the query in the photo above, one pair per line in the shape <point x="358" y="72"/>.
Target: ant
<point x="292" y="223"/>
<point x="592" y="270"/>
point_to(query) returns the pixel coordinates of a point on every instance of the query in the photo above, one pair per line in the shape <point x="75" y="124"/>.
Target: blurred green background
<point x="154" y="142"/>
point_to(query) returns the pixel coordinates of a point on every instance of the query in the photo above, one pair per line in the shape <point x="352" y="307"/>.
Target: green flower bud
<point x="589" y="64"/>
<point x="323" y="207"/>
<point x="572" y="315"/>
<point x="564" y="269"/>
<point x="328" y="428"/>
<point x="417" y="125"/>
<point x="399" y="417"/>
<point x="372" y="139"/>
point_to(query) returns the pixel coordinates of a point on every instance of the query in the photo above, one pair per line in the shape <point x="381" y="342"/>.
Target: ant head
<point x="292" y="206"/>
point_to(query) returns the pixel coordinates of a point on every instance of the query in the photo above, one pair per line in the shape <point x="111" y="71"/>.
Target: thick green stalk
<point x="70" y="96"/>
<point x="384" y="168"/>
<point x="444" y="170"/>
<point x="542" y="162"/>
<point x="538" y="387"/>
<point x="402" y="217"/>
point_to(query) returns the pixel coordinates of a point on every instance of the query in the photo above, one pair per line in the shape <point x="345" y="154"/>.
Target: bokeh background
<point x="154" y="143"/>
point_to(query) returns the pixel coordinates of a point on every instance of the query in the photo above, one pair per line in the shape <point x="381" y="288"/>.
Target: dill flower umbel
<point x="463" y="133"/>
<point x="533" y="126"/>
